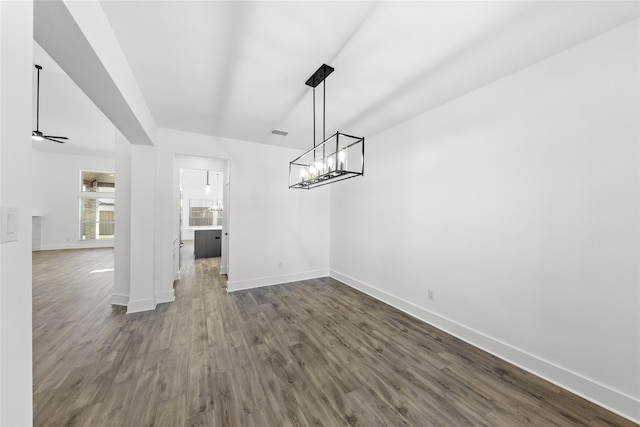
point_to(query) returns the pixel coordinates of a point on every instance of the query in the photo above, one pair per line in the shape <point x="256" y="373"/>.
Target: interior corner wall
<point x="122" y="239"/>
<point x="142" y="282"/>
<point x="16" y="61"/>
<point x="518" y="205"/>
<point x="276" y="235"/>
<point x="55" y="196"/>
<point x="167" y="247"/>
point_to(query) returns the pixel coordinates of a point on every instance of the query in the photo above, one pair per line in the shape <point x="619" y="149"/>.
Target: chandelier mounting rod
<point x="319" y="77"/>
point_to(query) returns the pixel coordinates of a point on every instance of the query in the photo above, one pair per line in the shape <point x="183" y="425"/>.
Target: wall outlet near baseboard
<point x="431" y="294"/>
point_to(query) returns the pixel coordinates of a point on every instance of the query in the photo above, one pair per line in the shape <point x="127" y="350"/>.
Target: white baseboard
<point x="119" y="299"/>
<point x="140" y="305"/>
<point x="168" y="296"/>
<point x="241" y="285"/>
<point x="600" y="394"/>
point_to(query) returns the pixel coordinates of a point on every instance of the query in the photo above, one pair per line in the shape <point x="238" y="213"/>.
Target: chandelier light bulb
<point x="342" y="160"/>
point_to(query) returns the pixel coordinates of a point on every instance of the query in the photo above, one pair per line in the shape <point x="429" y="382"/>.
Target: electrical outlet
<point x="431" y="294"/>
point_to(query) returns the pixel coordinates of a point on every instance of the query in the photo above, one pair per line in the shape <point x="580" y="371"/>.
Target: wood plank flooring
<point x="308" y="353"/>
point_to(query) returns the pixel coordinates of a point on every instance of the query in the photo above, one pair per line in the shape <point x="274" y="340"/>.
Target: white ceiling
<point x="66" y="111"/>
<point x="237" y="68"/>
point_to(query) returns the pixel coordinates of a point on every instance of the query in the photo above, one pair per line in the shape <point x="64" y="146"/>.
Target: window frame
<point x="191" y="217"/>
<point x="95" y="195"/>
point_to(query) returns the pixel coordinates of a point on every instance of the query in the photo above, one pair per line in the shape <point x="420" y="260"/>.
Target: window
<point x="97" y="209"/>
<point x="97" y="182"/>
<point x="203" y="213"/>
<point x="200" y="213"/>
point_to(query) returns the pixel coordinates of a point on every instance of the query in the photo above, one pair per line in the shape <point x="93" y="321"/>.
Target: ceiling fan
<point x="36" y="135"/>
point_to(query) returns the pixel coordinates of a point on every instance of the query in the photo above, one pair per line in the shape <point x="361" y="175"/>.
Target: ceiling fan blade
<point x="57" y="137"/>
<point x="54" y="140"/>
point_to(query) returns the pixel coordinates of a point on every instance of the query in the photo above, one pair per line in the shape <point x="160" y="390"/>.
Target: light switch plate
<point x="9" y="226"/>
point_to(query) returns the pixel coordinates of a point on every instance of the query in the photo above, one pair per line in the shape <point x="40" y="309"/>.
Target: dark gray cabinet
<point x="207" y="243"/>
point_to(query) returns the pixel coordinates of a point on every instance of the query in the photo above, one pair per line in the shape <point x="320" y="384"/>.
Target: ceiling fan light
<point x="37" y="136"/>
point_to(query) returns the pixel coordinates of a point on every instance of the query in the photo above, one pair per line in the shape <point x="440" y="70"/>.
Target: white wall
<point x="122" y="239"/>
<point x="16" y="56"/>
<point x="276" y="235"/>
<point x="143" y="291"/>
<point x="518" y="204"/>
<point x="56" y="180"/>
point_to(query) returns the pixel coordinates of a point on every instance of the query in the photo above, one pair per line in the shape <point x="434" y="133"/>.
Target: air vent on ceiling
<point x="279" y="132"/>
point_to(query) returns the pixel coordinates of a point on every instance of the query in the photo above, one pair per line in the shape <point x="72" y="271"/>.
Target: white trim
<point x="167" y="296"/>
<point x="140" y="305"/>
<point x="241" y="285"/>
<point x="600" y="394"/>
<point x="119" y="299"/>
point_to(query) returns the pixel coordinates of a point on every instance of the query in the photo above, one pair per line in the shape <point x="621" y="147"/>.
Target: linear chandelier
<point x="336" y="158"/>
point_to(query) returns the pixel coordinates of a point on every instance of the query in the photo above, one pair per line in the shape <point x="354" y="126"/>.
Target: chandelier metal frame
<point x="336" y="158"/>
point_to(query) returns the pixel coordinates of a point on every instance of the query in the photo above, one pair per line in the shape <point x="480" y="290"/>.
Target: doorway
<point x="202" y="209"/>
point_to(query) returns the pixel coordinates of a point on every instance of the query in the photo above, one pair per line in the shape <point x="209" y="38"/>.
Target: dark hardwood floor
<point x="308" y="353"/>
